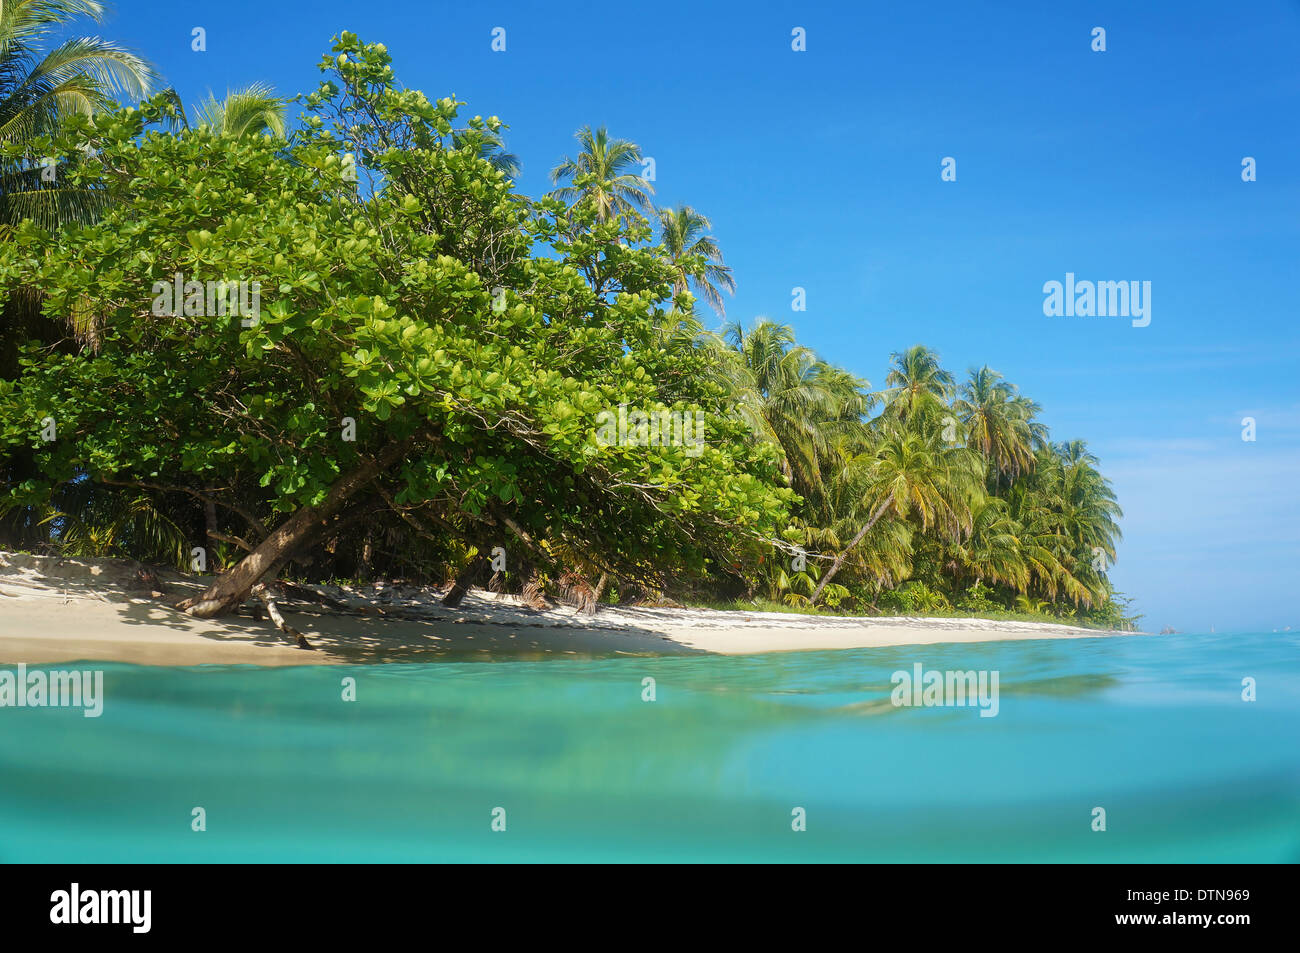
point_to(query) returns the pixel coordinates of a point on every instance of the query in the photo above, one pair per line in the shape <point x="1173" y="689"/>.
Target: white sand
<point x="56" y="610"/>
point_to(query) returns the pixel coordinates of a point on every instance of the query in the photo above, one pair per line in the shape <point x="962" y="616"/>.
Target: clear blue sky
<point x="821" y="169"/>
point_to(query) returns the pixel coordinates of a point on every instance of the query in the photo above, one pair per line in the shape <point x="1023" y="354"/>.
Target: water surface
<point x="1152" y="729"/>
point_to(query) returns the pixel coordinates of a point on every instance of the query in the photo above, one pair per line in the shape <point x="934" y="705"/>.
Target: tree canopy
<point x="353" y="347"/>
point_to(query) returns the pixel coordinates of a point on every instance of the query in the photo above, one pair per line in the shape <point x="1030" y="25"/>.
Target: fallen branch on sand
<point x="263" y="593"/>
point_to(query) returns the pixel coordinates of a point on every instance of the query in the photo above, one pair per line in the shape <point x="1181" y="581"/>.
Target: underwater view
<point x="572" y="761"/>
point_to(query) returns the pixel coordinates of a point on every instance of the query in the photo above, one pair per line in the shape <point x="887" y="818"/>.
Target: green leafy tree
<point x="43" y="80"/>
<point x="474" y="371"/>
<point x="489" y="145"/>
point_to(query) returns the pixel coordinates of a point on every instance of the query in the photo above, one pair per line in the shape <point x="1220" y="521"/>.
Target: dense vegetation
<point x="428" y="373"/>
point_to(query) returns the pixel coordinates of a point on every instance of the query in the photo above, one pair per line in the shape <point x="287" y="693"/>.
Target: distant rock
<point x="1169" y="630"/>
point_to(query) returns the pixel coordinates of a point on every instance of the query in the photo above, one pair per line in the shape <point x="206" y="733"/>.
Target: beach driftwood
<point x="263" y="593"/>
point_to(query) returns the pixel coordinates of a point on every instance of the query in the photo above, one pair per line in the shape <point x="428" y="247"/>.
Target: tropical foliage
<point x="436" y="368"/>
<point x="42" y="82"/>
<point x="249" y="111"/>
<point x="602" y="174"/>
<point x="696" y="256"/>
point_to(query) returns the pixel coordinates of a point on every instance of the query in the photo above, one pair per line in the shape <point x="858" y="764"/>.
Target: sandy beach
<point x="56" y="610"/>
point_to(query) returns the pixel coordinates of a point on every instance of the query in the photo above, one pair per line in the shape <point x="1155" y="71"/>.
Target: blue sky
<point x="821" y="170"/>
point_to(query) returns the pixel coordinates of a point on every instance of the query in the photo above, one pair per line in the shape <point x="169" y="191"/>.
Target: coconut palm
<point x="1039" y="436"/>
<point x="40" y="87"/>
<point x="884" y="556"/>
<point x="991" y="552"/>
<point x="253" y="110"/>
<point x="911" y="475"/>
<point x="1046" y="551"/>
<point x="917" y="386"/>
<point x="1071" y="522"/>
<point x="602" y="172"/>
<point x="1089" y="514"/>
<point x="789" y="397"/>
<point x="695" y="255"/>
<point x="995" y="423"/>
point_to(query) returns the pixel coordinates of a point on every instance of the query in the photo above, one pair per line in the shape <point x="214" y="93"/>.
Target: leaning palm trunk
<point x="844" y="553"/>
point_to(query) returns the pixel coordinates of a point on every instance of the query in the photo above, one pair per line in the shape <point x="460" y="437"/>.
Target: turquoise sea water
<point x="1152" y="729"/>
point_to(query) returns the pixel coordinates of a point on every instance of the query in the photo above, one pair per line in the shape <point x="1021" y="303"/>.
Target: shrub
<point x="913" y="597"/>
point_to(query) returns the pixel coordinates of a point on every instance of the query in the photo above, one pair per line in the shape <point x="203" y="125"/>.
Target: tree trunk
<point x="601" y="583"/>
<point x="232" y="588"/>
<point x="366" y="569"/>
<point x="209" y="516"/>
<point x="456" y="594"/>
<point x="839" y="560"/>
<point x="211" y="531"/>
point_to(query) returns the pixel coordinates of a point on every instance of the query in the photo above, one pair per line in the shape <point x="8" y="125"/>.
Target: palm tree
<point x="684" y="237"/>
<point x="995" y="423"/>
<point x="884" y="557"/>
<point x="789" y="397"/>
<point x="911" y="475"/>
<point x="1046" y="550"/>
<point x="39" y="88"/>
<point x="1089" y="514"/>
<point x="1070" y="520"/>
<point x="992" y="550"/>
<point x="918" y="386"/>
<point x="252" y="110"/>
<point x="601" y="173"/>
<point x="1039" y="437"/>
